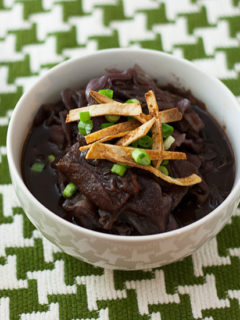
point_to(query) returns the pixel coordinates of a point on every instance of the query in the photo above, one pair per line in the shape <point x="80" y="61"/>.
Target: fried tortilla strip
<point x="88" y="146"/>
<point x="143" y="117"/>
<point x="119" y="155"/>
<point x="173" y="155"/>
<point x="136" y="134"/>
<point x="157" y="127"/>
<point x="111" y="131"/>
<point x="126" y="152"/>
<point x="100" y="98"/>
<point x="107" y="138"/>
<point x="170" y="115"/>
<point x="96" y="110"/>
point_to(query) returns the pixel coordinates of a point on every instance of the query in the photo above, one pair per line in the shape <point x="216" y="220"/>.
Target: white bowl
<point x="111" y="251"/>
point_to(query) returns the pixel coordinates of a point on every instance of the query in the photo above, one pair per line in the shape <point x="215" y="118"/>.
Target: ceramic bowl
<point x="111" y="251"/>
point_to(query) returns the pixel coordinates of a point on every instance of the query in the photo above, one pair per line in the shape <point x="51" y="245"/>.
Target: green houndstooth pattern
<point x="39" y="282"/>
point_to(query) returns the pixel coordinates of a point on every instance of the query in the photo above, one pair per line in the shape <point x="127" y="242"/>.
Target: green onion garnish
<point x="106" y="125"/>
<point x="85" y="127"/>
<point x="132" y="101"/>
<point x="167" y="130"/>
<point x="69" y="190"/>
<point x="168" y="142"/>
<point x="37" y="167"/>
<point x="112" y="118"/>
<point x="51" y="158"/>
<point x="119" y="169"/>
<point x="85" y="116"/>
<point x="141" y="157"/>
<point x="107" y="92"/>
<point x="145" y="142"/>
<point x="164" y="170"/>
<point x="135" y="144"/>
<point x="164" y="163"/>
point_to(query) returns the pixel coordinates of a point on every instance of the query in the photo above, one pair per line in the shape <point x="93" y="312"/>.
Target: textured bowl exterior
<point x="121" y="252"/>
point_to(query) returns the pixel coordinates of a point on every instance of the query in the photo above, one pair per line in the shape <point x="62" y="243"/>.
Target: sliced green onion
<point x="164" y="163"/>
<point x="106" y="125"/>
<point x="112" y="118"/>
<point x="85" y="116"/>
<point x="37" y="167"/>
<point x="132" y="101"/>
<point x="167" y="130"/>
<point x="85" y="127"/>
<point x="135" y="144"/>
<point x="145" y="142"/>
<point x="168" y="142"/>
<point x="119" y="169"/>
<point x="89" y="126"/>
<point x="51" y="158"/>
<point x="107" y="92"/>
<point x="69" y="190"/>
<point x="164" y="170"/>
<point x="141" y="157"/>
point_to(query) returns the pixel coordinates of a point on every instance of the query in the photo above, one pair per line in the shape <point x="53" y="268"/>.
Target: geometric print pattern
<point x="39" y="282"/>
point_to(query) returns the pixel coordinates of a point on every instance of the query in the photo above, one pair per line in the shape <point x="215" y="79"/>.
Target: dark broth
<point x="222" y="177"/>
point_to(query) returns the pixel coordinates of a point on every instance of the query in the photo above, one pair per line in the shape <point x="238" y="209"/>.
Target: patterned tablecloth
<point x="37" y="281"/>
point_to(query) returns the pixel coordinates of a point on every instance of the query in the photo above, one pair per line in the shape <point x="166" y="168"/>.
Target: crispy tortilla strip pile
<point x="131" y="131"/>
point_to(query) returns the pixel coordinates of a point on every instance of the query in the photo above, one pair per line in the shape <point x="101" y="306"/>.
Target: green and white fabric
<point x="39" y="282"/>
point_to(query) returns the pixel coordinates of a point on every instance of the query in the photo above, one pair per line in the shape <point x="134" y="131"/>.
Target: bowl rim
<point x="235" y="192"/>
